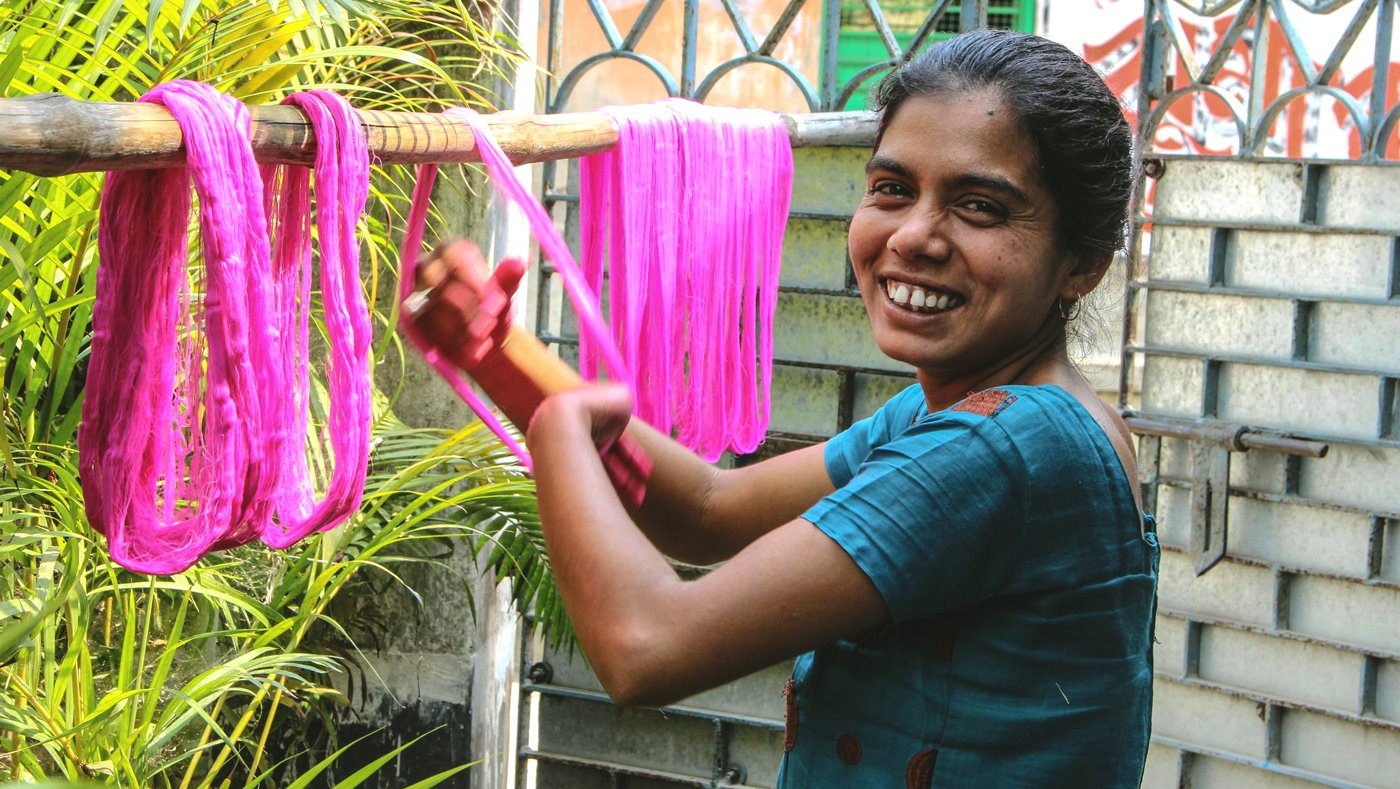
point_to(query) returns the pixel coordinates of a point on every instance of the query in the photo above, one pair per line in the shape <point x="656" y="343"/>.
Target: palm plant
<point x="185" y="680"/>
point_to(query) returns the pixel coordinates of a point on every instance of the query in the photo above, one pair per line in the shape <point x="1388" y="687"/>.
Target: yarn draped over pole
<point x="689" y="210"/>
<point x="552" y="246"/>
<point x="194" y="416"/>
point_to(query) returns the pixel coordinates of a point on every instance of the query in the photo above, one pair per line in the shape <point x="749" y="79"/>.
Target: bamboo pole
<point x="48" y="134"/>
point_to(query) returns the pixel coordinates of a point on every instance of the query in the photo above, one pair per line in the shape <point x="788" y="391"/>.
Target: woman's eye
<point x="887" y="189"/>
<point x="983" y="210"/>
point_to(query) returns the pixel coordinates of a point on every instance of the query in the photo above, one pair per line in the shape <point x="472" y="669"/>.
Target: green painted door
<point x="859" y="44"/>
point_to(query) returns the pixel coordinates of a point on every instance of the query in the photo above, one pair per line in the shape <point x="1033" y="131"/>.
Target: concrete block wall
<point x="1271" y="301"/>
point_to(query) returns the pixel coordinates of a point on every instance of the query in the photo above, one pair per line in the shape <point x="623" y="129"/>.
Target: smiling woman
<point x="966" y="576"/>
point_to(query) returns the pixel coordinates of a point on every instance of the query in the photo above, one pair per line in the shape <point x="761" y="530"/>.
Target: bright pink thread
<point x="689" y="209"/>
<point x="552" y="245"/>
<point x="195" y="401"/>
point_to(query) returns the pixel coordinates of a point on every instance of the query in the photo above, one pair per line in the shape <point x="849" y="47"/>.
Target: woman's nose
<point x="922" y="235"/>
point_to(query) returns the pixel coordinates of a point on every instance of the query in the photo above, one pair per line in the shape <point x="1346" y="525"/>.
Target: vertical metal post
<point x="972" y="15"/>
<point x="689" y="45"/>
<point x="831" y="35"/>
<point x="1255" y="136"/>
<point x="1380" y="77"/>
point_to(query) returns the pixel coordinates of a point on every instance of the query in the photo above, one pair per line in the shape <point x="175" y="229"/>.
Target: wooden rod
<point x="49" y="134"/>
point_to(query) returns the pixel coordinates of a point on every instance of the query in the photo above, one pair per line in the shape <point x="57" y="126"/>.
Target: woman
<point x="966" y="575"/>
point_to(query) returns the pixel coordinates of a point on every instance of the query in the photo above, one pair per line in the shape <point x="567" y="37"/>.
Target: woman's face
<point x="954" y="242"/>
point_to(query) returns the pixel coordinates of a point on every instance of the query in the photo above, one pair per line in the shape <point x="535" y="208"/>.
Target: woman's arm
<point x="652" y="637"/>
<point x="691" y="510"/>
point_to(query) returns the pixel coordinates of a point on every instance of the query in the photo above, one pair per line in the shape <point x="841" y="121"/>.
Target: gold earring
<point x="1070" y="314"/>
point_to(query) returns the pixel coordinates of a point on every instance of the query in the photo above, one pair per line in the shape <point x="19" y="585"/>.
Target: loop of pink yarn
<point x="195" y="401"/>
<point x="689" y="210"/>
<point x="341" y="171"/>
<point x="507" y="183"/>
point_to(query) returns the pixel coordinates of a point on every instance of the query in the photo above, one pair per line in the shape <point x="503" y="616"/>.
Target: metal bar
<point x="736" y="18"/>
<point x="689" y="712"/>
<point x="1380" y="74"/>
<point x="1344" y="44"/>
<point x="1262" y="698"/>
<point x="1290" y="635"/>
<point x="1302" y="501"/>
<point x="1179" y="286"/>
<point x="780" y="27"/>
<point x="831" y="32"/>
<point x="1245" y="437"/>
<point x="1264" y="361"/>
<point x="639" y="27"/>
<point x="48" y="134"/>
<point x="1275" y="768"/>
<point x="614" y="769"/>
<point x="690" y="44"/>
<point x="972" y="15"/>
<point x="605" y="23"/>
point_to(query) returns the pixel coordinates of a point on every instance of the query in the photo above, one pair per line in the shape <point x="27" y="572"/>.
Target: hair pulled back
<point x="1083" y="143"/>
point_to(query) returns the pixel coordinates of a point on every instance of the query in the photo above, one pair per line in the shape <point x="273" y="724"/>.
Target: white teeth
<point x="917" y="299"/>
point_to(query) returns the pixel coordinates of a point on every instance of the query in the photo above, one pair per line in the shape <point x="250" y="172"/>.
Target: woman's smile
<point x="954" y="245"/>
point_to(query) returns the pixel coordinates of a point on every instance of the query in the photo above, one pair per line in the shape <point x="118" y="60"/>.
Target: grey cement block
<point x="1366" y="755"/>
<point x="1344" y="611"/>
<point x="1225" y="190"/>
<point x="1281" y="668"/>
<point x="804" y="400"/>
<point x="1162" y="770"/>
<point x="1388" y="691"/>
<point x="814" y="254"/>
<point x="1360" y="196"/>
<point x="1237" y="592"/>
<point x="1360" y="476"/>
<point x="1311" y="263"/>
<point x="828" y="180"/>
<point x="1180" y="254"/>
<point x="1174" y="516"/>
<point x="1390" y="552"/>
<point x="1300" y="400"/>
<point x="1207" y="718"/>
<point x="1263" y="471"/>
<point x="1356" y="334"/>
<point x="1297" y="536"/>
<point x="873" y="391"/>
<point x="1220" y="324"/>
<point x="1169" y="651"/>
<point x="1171" y="386"/>
<point x="827" y="330"/>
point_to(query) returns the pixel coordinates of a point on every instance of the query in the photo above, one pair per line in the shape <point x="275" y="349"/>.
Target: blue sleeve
<point x="849" y="448"/>
<point x="934" y="516"/>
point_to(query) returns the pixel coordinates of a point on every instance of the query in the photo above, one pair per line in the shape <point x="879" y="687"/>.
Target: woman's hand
<point x="603" y="411"/>
<point x="467" y="312"/>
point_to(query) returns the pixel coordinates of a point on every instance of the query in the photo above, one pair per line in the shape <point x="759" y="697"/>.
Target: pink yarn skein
<point x="195" y="401"/>
<point x="689" y="210"/>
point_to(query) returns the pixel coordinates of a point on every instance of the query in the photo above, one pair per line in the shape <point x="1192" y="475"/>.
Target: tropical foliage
<point x="197" y="679"/>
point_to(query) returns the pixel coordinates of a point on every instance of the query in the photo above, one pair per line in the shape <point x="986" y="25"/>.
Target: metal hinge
<point x="1212" y="444"/>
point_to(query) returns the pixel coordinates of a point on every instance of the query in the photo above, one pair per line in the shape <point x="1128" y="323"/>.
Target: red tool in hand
<point x="465" y="312"/>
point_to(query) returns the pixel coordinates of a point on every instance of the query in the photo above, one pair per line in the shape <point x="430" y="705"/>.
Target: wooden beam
<point x="48" y="134"/>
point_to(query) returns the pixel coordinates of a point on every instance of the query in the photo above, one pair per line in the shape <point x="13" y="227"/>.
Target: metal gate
<point x="1263" y="334"/>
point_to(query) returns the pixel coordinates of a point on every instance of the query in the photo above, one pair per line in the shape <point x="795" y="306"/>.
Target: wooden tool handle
<point x="518" y="374"/>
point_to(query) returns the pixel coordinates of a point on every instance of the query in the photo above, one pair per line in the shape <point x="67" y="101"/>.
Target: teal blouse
<point x="1004" y="538"/>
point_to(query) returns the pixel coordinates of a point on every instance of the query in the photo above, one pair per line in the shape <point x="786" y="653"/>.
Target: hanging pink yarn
<point x="194" y="400"/>
<point x="508" y="183"/>
<point x="342" y="187"/>
<point x="689" y="210"/>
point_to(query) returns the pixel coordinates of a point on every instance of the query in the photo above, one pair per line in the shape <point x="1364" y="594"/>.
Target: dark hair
<point x="1083" y="143"/>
